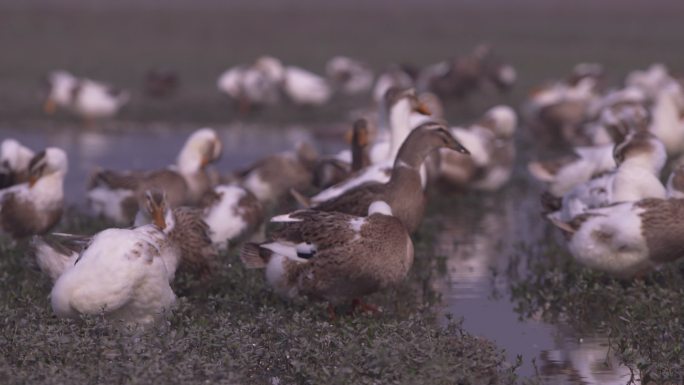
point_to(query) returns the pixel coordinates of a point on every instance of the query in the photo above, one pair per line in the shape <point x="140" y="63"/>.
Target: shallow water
<point x="479" y="233"/>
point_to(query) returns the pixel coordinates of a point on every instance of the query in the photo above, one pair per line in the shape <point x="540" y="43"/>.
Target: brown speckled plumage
<point x="347" y="264"/>
<point x="663" y="228"/>
<point x="191" y="235"/>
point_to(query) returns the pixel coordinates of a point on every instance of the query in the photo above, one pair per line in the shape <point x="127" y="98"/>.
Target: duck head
<point x="500" y="120"/>
<point x="202" y="148"/>
<point x="272" y="67"/>
<point x="156" y="211"/>
<point x="61" y="85"/>
<point x="49" y="162"/>
<point x="423" y="140"/>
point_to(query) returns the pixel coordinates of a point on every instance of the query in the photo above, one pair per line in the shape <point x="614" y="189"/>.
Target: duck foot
<point x="364" y="307"/>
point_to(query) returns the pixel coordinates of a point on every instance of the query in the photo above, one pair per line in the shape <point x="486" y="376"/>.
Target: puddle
<point x="478" y="236"/>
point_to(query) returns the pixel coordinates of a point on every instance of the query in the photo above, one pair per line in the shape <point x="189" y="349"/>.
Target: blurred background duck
<point x="492" y="152"/>
<point x="333" y="257"/>
<point x="114" y="195"/>
<point x="88" y="99"/>
<point x="35" y="206"/>
<point x="349" y="76"/>
<point x="14" y="162"/>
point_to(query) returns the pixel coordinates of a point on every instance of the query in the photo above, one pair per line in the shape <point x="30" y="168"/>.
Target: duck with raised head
<point x="404" y="190"/>
<point x="14" y="162"/>
<point x="627" y="239"/>
<point x="34" y="207"/>
<point x="492" y="152"/>
<point x="255" y="85"/>
<point x="124" y="274"/>
<point x="401" y="104"/>
<point x="332" y="170"/>
<point x="115" y="195"/>
<point x="640" y="159"/>
<point x="89" y="99"/>
<point x="331" y="256"/>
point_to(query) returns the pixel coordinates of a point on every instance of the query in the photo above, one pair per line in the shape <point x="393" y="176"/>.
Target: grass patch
<point x="644" y="319"/>
<point x="232" y="329"/>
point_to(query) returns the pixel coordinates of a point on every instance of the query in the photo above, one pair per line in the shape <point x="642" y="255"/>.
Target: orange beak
<point x="423" y="109"/>
<point x="158" y="218"/>
<point x="50" y="107"/>
<point x="32" y="180"/>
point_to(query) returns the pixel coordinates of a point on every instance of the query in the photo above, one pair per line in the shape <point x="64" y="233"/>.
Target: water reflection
<point x="156" y="146"/>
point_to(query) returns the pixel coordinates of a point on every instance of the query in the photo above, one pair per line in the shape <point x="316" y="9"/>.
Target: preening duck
<point x="333" y="257"/>
<point x="14" y="162"/>
<point x="123" y="274"/>
<point x="34" y="207"/>
<point x="115" y="195"/>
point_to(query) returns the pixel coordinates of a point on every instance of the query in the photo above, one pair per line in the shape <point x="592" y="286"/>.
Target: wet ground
<point x="476" y="236"/>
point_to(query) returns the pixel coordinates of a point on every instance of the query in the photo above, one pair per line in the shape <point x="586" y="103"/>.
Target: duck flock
<point x="352" y="235"/>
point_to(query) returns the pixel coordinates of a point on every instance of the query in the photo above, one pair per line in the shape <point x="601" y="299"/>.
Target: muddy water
<point x="478" y="235"/>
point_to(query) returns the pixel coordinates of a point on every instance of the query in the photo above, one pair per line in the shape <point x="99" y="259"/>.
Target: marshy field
<point x="493" y="296"/>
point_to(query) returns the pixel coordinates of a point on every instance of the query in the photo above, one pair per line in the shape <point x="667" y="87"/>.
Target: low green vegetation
<point x="644" y="318"/>
<point x="232" y="329"/>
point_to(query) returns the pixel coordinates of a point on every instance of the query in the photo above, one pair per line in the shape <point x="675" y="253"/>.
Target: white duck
<point x="14" y="162"/>
<point x="627" y="239"/>
<point x="258" y="84"/>
<point x="89" y="99"/>
<point x="123" y="273"/>
<point x="305" y="88"/>
<point x="36" y="206"/>
<point x="640" y="160"/>
<point x="349" y="76"/>
<point x="668" y="123"/>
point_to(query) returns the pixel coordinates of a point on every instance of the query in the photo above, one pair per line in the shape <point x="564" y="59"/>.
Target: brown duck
<point x="333" y="257"/>
<point x="404" y="191"/>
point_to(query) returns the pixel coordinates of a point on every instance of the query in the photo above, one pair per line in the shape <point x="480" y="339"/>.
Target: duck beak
<point x="158" y="218"/>
<point x="457" y="146"/>
<point x="32" y="180"/>
<point x="50" y="107"/>
<point x="422" y="109"/>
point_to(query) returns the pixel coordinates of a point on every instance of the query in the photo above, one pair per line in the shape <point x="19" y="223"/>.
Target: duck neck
<point x="51" y="187"/>
<point x="400" y="128"/>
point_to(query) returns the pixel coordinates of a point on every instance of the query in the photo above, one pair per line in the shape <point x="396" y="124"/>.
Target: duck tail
<point x="300" y="198"/>
<point x="253" y="256"/>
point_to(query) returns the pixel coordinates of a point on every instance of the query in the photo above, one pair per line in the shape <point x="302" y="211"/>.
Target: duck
<point x="232" y="213"/>
<point x="14" y="162"/>
<point x="305" y="88"/>
<point x="124" y="274"/>
<point x="258" y="84"/>
<point x="640" y="159"/>
<point x="331" y="170"/>
<point x="396" y="76"/>
<point x="35" y="206"/>
<point x="401" y="104"/>
<point x="115" y="195"/>
<point x="270" y="179"/>
<point x="651" y="81"/>
<point x="333" y="257"/>
<point x="190" y="233"/>
<point x="404" y="190"/>
<point x="667" y="121"/>
<point x="87" y="98"/>
<point x="490" y="142"/>
<point x="564" y="173"/>
<point x="628" y="239"/>
<point x="349" y="76"/>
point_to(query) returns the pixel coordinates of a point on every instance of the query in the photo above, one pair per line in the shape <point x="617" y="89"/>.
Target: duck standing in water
<point x="333" y="257"/>
<point x="34" y="207"/>
<point x="404" y="191"/>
